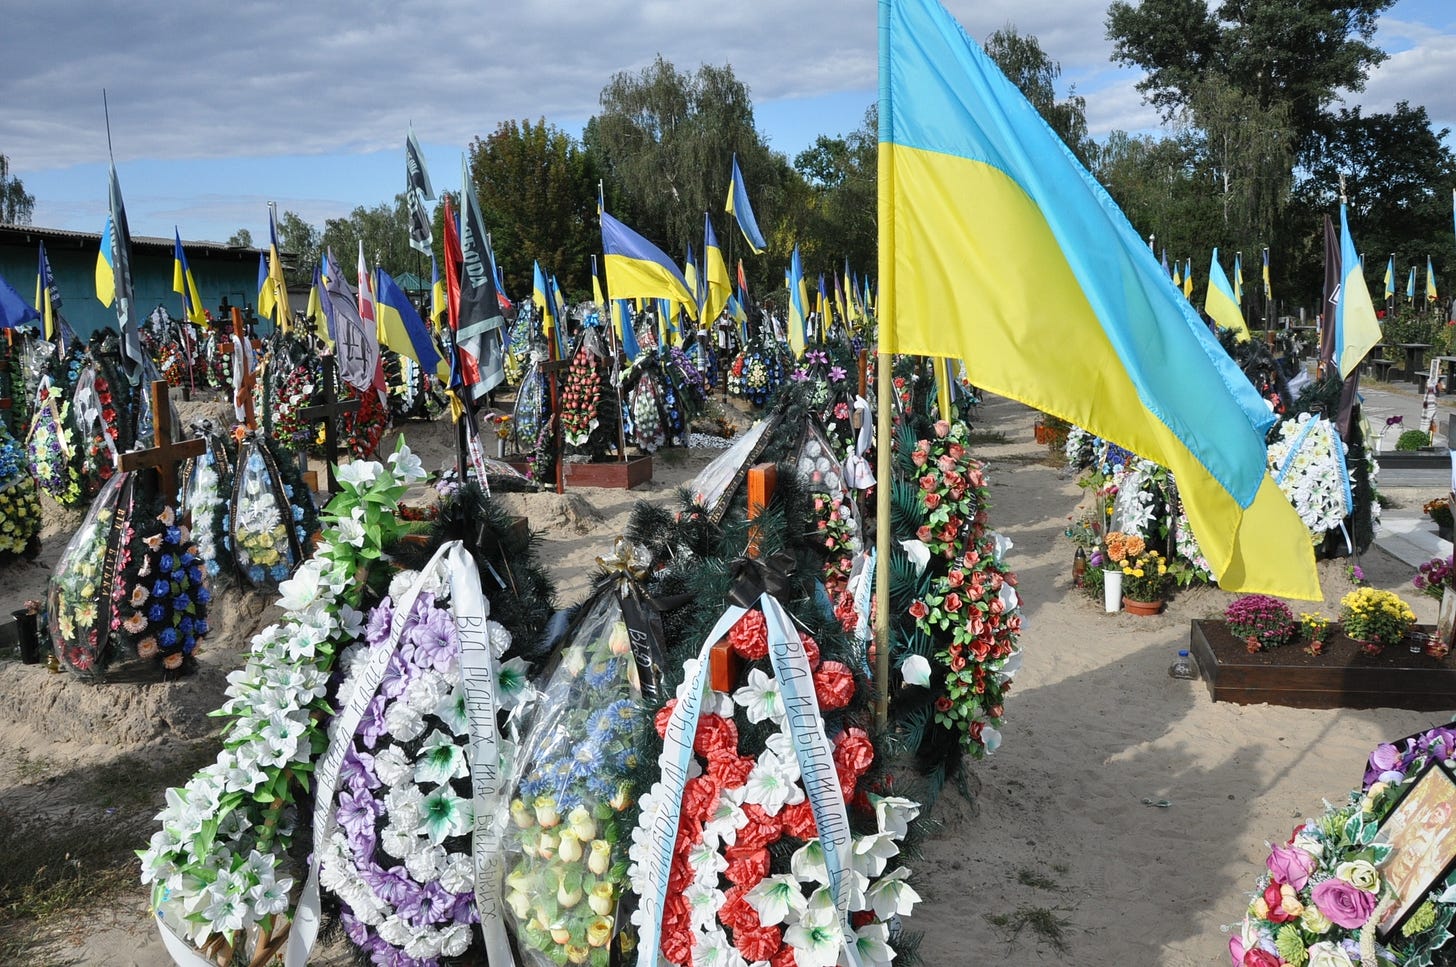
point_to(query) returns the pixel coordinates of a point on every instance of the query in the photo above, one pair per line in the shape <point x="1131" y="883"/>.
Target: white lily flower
<point x="760" y="697"/>
<point x="870" y="853"/>
<point x="358" y="473"/>
<point x="918" y="552"/>
<point x="777" y="898"/>
<point x="891" y="896"/>
<point x="807" y="863"/>
<point x="818" y="937"/>
<point x="407" y="465"/>
<point x="916" y="671"/>
<point x="894" y="814"/>
<point x="871" y="940"/>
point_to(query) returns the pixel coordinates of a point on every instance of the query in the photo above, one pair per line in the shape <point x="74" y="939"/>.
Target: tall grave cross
<point x="723" y="663"/>
<point x="326" y="411"/>
<point x="164" y="454"/>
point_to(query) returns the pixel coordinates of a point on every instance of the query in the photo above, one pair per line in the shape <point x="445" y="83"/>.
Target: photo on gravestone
<point x="1421" y="831"/>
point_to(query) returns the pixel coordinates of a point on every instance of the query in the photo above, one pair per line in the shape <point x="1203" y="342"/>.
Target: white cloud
<point x="1420" y="72"/>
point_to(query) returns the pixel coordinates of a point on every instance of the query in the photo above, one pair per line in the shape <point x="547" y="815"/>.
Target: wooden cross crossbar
<point x="165" y="454"/>
<point x="723" y="661"/>
<point x="326" y="411"/>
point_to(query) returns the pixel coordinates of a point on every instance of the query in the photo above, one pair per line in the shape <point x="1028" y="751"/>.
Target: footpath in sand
<point x="1057" y="858"/>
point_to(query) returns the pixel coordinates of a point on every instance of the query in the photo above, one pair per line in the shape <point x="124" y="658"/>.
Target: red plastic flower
<point x="834" y="684"/>
<point x="749" y="637"/>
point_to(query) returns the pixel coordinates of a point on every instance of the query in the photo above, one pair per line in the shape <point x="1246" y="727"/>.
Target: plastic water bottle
<point x="1183" y="666"/>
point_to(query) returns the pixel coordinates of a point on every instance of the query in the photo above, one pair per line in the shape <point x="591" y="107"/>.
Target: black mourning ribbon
<point x="752" y="576"/>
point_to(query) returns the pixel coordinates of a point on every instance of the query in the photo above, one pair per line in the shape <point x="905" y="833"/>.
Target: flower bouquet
<point x="579" y="397"/>
<point x="98" y="426"/>
<point x="364" y="428"/>
<point x="1325" y="890"/>
<point x="159" y="600"/>
<point x="1375" y="618"/>
<point x="1261" y="621"/>
<point x="835" y="514"/>
<point x="206" y="482"/>
<point x="964" y="609"/>
<point x="1439" y="510"/>
<point x="400" y="856"/>
<point x="219" y="866"/>
<point x="1145" y="577"/>
<point x="1435" y="576"/>
<point x="265" y="527"/>
<point x="648" y="431"/>
<point x="531" y="410"/>
<point x="293" y="396"/>
<point x="51" y="449"/>
<point x="78" y="595"/>
<point x="763" y="846"/>
<point x="1308" y="462"/>
<point x="20" y="513"/>
<point x="572" y="802"/>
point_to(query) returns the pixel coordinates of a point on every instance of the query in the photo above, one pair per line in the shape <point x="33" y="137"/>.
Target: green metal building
<point x="222" y="273"/>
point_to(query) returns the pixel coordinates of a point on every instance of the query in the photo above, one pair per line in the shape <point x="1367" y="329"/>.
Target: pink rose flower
<point x="942" y="428"/>
<point x="1290" y="865"/>
<point x="1346" y="905"/>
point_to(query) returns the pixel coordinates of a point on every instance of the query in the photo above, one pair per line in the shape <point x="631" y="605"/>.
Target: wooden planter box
<point x="1341" y="677"/>
<point x="616" y="474"/>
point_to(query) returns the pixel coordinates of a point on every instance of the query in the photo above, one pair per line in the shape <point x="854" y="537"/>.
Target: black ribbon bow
<point x="752" y="576"/>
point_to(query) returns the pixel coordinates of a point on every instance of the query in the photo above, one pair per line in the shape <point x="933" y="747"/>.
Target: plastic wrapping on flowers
<point x="530" y="411"/>
<point x="96" y="421"/>
<point x="206" y="486"/>
<point x="78" y="600"/>
<point x="572" y="803"/>
<point x="52" y="452"/>
<point x="400" y="860"/>
<point x="159" y="599"/>
<point x="646" y="409"/>
<point x="711" y="484"/>
<point x="579" y="397"/>
<point x="264" y="527"/>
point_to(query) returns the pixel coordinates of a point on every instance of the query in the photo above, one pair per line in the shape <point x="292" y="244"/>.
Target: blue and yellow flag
<point x="1178" y="275"/>
<point x="402" y="329"/>
<point x="1188" y="279"/>
<point x="1410" y="285"/>
<point x="1431" y="294"/>
<point x="1239" y="280"/>
<point x="622" y="317"/>
<point x="47" y="297"/>
<point x="692" y="278"/>
<point x="439" y="304"/>
<point x="322" y="325"/>
<point x="14" y="310"/>
<point x="798" y="305"/>
<point x="997" y="247"/>
<point x="106" y="273"/>
<point x="1390" y="279"/>
<point x="637" y="269"/>
<point x="1220" y="303"/>
<point x="1356" y="327"/>
<point x="1268" y="290"/>
<point x="278" y="289"/>
<point x="266" y="298"/>
<point x="738" y="206"/>
<point x="718" y="286"/>
<point x="184" y="284"/>
<point x="541" y="299"/>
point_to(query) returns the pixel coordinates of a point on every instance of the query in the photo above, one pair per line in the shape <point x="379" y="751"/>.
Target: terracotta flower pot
<point x="1143" y="608"/>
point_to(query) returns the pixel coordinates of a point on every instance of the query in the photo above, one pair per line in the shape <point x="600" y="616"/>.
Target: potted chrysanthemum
<point x="1375" y="618"/>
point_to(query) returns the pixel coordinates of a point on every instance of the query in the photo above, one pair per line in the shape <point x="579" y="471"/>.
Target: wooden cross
<point x="164" y="454"/>
<point x="723" y="661"/>
<point x="331" y="407"/>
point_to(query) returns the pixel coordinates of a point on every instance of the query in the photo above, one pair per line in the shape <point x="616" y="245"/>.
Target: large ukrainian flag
<point x="997" y="247"/>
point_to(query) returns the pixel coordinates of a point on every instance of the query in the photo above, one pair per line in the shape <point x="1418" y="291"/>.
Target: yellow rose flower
<point x="1360" y="874"/>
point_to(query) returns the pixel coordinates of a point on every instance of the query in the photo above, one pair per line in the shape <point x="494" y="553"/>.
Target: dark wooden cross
<point x="164" y="454"/>
<point x="723" y="662"/>
<point x="326" y="411"/>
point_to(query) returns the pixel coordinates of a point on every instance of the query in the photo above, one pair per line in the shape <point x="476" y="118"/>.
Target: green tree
<point x="1299" y="53"/>
<point x="538" y="189"/>
<point x="242" y="238"/>
<point x="300" y="240"/>
<point x="1160" y="185"/>
<point x="838" y="214"/>
<point x="1397" y="171"/>
<point x="1026" y="65"/>
<point x="384" y="230"/>
<point x="16" y="204"/>
<point x="664" y="140"/>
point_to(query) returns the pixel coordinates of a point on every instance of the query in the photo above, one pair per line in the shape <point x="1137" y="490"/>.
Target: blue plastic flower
<point x="166" y="563"/>
<point x="161" y="588"/>
<point x="168" y="638"/>
<point x="203" y="595"/>
<point x="156" y="613"/>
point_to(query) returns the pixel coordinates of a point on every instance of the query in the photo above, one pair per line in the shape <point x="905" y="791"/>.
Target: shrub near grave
<point x="1261" y="621"/>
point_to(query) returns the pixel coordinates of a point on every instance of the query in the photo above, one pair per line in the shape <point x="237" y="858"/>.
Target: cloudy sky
<point x="218" y="108"/>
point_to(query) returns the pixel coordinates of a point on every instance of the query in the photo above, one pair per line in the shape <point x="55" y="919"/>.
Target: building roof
<point x="59" y="238"/>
